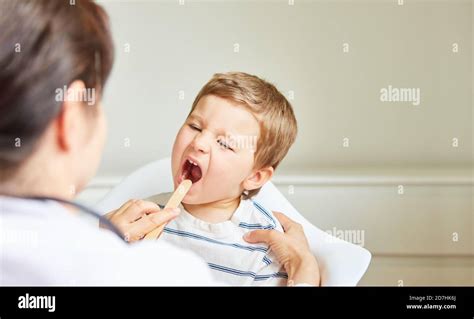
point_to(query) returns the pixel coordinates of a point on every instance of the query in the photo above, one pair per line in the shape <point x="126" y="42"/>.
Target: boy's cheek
<point x="225" y="166"/>
<point x="230" y="172"/>
<point x="179" y="147"/>
<point x="175" y="159"/>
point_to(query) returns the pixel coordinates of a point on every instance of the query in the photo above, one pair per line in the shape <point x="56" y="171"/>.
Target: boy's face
<point x="220" y="137"/>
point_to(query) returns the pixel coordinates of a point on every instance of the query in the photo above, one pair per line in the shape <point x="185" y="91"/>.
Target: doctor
<point x="54" y="61"/>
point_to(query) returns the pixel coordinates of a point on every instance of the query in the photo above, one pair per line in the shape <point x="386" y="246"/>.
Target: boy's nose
<point x="201" y="143"/>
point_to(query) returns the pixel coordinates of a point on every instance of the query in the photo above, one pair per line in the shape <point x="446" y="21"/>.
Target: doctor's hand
<point x="136" y="218"/>
<point x="291" y="249"/>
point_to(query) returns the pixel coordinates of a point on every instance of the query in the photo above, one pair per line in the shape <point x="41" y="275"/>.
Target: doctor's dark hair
<point x="45" y="45"/>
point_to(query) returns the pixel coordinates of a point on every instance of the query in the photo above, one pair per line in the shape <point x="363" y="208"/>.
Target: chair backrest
<point x="341" y="263"/>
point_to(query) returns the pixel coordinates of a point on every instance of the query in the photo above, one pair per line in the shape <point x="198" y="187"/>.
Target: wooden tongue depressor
<point x="173" y="202"/>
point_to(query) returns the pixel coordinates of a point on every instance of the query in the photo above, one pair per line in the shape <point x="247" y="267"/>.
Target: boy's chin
<point x="191" y="200"/>
<point x="195" y="197"/>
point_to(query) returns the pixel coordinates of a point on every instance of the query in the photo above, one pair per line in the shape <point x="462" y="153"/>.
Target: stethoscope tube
<point x="89" y="211"/>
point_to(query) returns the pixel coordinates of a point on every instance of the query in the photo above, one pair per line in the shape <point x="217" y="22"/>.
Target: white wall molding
<point x="373" y="180"/>
<point x="458" y="178"/>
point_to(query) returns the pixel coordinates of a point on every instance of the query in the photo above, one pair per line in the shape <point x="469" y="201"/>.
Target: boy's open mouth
<point x="191" y="171"/>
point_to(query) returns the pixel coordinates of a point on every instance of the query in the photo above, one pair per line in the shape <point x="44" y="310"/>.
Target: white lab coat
<point x="42" y="243"/>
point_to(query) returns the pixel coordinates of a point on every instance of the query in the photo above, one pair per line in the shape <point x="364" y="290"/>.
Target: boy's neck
<point x="214" y="212"/>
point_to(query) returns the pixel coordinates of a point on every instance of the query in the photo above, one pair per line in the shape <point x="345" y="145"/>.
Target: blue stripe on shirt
<point x="236" y="272"/>
<point x="264" y="212"/>
<point x="210" y="240"/>
<point x="255" y="226"/>
<point x="267" y="260"/>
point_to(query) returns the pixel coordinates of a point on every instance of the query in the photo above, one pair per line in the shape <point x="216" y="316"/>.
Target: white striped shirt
<point x="231" y="259"/>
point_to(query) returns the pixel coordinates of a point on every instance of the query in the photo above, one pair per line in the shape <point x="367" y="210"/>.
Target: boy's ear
<point x="258" y="178"/>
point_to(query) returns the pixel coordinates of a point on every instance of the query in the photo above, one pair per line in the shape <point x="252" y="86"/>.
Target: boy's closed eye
<point x="195" y="127"/>
<point x="221" y="142"/>
<point x="224" y="145"/>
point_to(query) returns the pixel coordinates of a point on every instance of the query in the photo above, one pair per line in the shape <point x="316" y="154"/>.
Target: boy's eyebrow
<point x="195" y="116"/>
<point x="233" y="136"/>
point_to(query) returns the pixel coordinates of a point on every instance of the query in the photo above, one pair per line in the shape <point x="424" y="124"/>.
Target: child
<point x="239" y="129"/>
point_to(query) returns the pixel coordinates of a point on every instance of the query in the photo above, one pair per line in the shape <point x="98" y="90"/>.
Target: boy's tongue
<point x="196" y="174"/>
<point x="192" y="172"/>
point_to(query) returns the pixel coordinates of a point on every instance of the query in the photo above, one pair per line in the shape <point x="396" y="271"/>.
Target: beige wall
<point x="300" y="48"/>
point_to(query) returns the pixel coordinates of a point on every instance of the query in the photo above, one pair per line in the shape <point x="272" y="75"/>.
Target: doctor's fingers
<point x="113" y="216"/>
<point x="114" y="212"/>
<point x="291" y="227"/>
<point x="263" y="236"/>
<point x="293" y="235"/>
<point x="134" y="209"/>
<point x="138" y="229"/>
<point x="116" y="218"/>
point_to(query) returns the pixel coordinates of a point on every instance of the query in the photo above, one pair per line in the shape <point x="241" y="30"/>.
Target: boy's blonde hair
<point x="278" y="127"/>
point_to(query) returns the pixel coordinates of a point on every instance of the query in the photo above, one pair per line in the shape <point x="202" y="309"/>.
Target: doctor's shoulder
<point x="162" y="264"/>
<point x="105" y="260"/>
